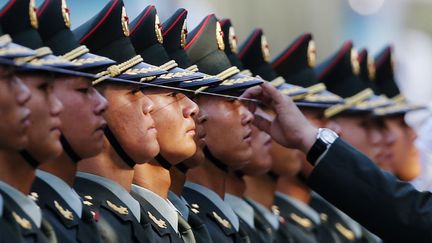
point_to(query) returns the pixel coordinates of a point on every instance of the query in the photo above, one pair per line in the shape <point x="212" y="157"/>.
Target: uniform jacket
<point x="115" y="221"/>
<point x="66" y="223"/>
<point x="391" y="209"/>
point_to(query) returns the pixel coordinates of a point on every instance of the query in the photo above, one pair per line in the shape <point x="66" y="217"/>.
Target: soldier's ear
<point x="333" y="125"/>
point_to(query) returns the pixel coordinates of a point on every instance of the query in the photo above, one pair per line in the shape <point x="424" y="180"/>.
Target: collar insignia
<point x="64" y="212"/>
<point x="345" y="232"/>
<point x="24" y="223"/>
<point x="275" y="210"/>
<point x="323" y="217"/>
<point x="159" y="222"/>
<point x="34" y="196"/>
<point x="225" y="223"/>
<point x="119" y="209"/>
<point x="304" y="222"/>
<point x="87" y="203"/>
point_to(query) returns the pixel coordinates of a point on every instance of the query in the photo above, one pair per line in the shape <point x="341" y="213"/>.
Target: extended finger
<point x="252" y="93"/>
<point x="262" y="123"/>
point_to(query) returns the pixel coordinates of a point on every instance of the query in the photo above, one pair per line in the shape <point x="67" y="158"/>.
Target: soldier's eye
<point x="173" y="94"/>
<point x="84" y="90"/>
<point x="43" y="86"/>
<point x="134" y="91"/>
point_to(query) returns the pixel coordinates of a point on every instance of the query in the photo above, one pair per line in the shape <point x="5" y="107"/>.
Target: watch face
<point x="328" y="136"/>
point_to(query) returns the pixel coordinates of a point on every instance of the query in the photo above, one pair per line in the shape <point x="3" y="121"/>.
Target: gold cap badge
<point x="33" y="14"/>
<point x="265" y="49"/>
<point x="232" y="40"/>
<point x="371" y="67"/>
<point x="354" y="61"/>
<point x="219" y="37"/>
<point x="183" y="34"/>
<point x="311" y="54"/>
<point x="125" y="22"/>
<point x="65" y="13"/>
<point x="158" y="29"/>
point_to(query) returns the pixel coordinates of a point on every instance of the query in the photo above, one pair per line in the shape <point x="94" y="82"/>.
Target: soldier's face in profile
<point x="44" y="130"/>
<point x="401" y="145"/>
<point x="82" y="120"/>
<point x="128" y="117"/>
<point x="200" y="135"/>
<point x="285" y="161"/>
<point x="173" y="114"/>
<point x="261" y="161"/>
<point x="15" y="114"/>
<point x="383" y="158"/>
<point x="228" y="129"/>
<point x="360" y="131"/>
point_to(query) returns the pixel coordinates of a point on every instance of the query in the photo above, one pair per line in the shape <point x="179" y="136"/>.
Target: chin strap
<point x="273" y="175"/>
<point x="69" y="150"/>
<point x="214" y="160"/>
<point x="301" y="177"/>
<point x="163" y="162"/>
<point x="239" y="174"/>
<point x="118" y="148"/>
<point x="182" y="167"/>
<point x="29" y="158"/>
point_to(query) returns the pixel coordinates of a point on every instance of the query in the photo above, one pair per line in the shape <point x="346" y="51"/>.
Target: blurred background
<point x="406" y="24"/>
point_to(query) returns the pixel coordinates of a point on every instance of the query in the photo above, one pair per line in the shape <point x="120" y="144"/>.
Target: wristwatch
<point x="325" y="137"/>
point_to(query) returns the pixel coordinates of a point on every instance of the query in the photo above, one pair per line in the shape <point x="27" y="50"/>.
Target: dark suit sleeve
<point x="392" y="209"/>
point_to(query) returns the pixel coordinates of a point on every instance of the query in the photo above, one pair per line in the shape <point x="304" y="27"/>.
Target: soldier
<point x="260" y="198"/>
<point x="296" y="64"/>
<point x="82" y="129"/>
<point x="253" y="210"/>
<point x="402" y="154"/>
<point x="304" y="223"/>
<point x="130" y="135"/>
<point x="19" y="20"/>
<point x="175" y="33"/>
<point x="174" y="116"/>
<point x="340" y="73"/>
<point x="358" y="179"/>
<point x="206" y="189"/>
<point x="15" y="113"/>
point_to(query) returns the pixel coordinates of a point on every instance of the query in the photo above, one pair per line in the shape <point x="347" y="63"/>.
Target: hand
<point x="289" y="128"/>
